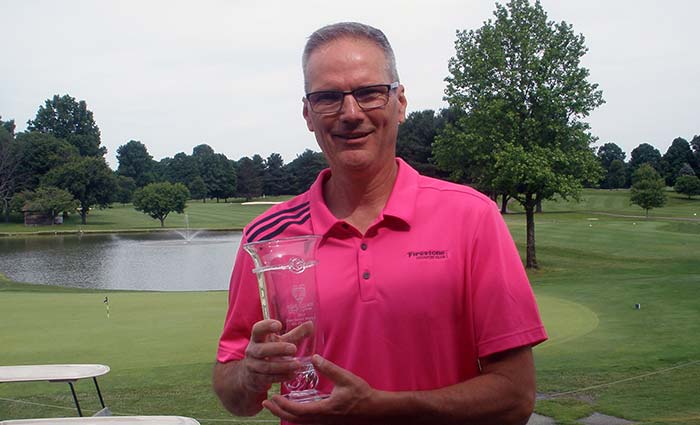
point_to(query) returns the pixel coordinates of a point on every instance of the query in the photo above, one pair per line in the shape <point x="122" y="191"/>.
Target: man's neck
<point x="359" y="199"/>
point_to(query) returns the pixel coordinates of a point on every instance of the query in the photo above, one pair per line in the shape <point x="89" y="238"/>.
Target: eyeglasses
<point x="368" y="98"/>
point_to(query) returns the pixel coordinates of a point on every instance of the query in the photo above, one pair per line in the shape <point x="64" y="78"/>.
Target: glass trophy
<point x="285" y="271"/>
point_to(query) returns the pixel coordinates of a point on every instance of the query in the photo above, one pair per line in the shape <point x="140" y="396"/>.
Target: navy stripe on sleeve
<point x="272" y="224"/>
<point x="278" y="213"/>
<point x="282" y="228"/>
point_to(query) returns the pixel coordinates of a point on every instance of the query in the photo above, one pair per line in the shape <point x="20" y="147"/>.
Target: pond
<point x="159" y="261"/>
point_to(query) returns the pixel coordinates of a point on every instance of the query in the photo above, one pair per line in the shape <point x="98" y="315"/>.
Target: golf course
<point x="619" y="295"/>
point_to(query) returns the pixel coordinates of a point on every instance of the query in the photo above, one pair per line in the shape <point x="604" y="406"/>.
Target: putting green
<point x="564" y="320"/>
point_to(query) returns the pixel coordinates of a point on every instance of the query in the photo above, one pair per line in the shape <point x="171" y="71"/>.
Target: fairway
<point x="604" y="355"/>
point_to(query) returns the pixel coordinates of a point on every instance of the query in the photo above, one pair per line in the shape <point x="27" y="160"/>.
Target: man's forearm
<point x="234" y="395"/>
<point x="487" y="399"/>
<point x="503" y="394"/>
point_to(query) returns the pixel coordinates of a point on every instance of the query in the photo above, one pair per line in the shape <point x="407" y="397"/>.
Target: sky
<point x="176" y="74"/>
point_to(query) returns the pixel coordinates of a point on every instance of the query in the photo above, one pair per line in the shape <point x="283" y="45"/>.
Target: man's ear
<point x="305" y="113"/>
<point x="401" y="95"/>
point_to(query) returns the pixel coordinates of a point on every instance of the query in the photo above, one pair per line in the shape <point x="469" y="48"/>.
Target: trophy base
<point x="305" y="396"/>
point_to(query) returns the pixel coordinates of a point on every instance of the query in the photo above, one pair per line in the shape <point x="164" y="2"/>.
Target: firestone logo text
<point x="431" y="254"/>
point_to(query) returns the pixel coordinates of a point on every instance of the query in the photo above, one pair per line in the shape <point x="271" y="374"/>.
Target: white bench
<point x="68" y="373"/>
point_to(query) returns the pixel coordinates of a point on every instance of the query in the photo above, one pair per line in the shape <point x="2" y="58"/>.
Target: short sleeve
<point x="505" y="313"/>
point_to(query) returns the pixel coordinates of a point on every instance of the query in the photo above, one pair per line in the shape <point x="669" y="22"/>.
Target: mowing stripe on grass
<point x="619" y="381"/>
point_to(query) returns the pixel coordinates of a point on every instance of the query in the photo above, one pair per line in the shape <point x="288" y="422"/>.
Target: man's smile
<point x="352" y="136"/>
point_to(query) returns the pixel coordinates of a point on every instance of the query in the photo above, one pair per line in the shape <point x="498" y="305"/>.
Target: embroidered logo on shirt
<point x="431" y="254"/>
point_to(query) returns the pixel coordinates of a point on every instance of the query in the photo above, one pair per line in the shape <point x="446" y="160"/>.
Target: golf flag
<point x="106" y="302"/>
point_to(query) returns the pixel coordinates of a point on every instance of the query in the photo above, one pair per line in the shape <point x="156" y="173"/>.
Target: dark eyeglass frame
<point x="341" y="95"/>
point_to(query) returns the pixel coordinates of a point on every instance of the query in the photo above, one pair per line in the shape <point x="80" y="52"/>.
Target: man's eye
<point x="325" y="98"/>
<point x="369" y="93"/>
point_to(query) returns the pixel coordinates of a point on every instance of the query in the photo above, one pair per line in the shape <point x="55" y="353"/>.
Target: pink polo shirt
<point x="434" y="284"/>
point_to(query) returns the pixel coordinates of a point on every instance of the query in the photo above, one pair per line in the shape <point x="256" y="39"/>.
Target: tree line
<point x="58" y="165"/>
<point x="424" y="134"/>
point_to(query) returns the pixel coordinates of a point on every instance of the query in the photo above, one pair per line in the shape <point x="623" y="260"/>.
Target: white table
<point x="68" y="373"/>
<point x="107" y="420"/>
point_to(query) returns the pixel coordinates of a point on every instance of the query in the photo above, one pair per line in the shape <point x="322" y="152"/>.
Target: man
<point x="426" y="309"/>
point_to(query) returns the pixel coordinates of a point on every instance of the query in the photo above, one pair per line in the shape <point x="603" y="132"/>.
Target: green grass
<point x="209" y="215"/>
<point x="603" y="354"/>
<point x="160" y="348"/>
<point x="604" y="265"/>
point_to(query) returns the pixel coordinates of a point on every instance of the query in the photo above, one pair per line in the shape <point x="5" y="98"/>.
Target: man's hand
<point x="268" y="357"/>
<point x="350" y="397"/>
<point x="242" y="385"/>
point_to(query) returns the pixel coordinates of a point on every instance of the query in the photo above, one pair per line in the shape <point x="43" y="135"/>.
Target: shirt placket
<point x="366" y="275"/>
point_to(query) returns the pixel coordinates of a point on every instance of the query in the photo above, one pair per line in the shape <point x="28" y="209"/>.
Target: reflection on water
<point x="149" y="261"/>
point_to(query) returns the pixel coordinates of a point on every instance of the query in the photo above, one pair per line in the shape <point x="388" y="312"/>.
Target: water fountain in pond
<point x="186" y="234"/>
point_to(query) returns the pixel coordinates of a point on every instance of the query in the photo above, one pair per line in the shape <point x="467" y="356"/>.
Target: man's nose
<point x="350" y="109"/>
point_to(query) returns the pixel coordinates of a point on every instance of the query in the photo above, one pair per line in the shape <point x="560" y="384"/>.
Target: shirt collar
<point x="400" y="205"/>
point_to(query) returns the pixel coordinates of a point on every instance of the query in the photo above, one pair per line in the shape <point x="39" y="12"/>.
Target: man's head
<point x="353" y="30"/>
<point x="354" y="103"/>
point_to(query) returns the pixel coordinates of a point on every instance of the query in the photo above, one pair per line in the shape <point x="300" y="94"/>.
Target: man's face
<point x="354" y="140"/>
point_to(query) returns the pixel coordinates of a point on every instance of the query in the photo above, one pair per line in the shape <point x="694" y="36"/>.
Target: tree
<point x="135" y="162"/>
<point x="275" y="180"/>
<point x="203" y="156"/>
<point x="198" y="189"/>
<point x="608" y="154"/>
<point x="415" y="139"/>
<point x="520" y="82"/>
<point x="125" y="189"/>
<point x="695" y="144"/>
<point x="9" y="126"/>
<point x="677" y="155"/>
<point x="250" y="179"/>
<point x="687" y="185"/>
<point x="10" y="157"/>
<point x="686" y="170"/>
<point x="160" y="199"/>
<point x="304" y="170"/>
<point x="65" y="118"/>
<point x="647" y="188"/>
<point x="220" y="176"/>
<point x="616" y="176"/>
<point x="47" y="199"/>
<point x="217" y="171"/>
<point x="182" y="168"/>
<point x="645" y="154"/>
<point x="40" y="153"/>
<point x="88" y="179"/>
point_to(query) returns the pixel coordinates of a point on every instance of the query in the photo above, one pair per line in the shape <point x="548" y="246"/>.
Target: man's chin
<point x="355" y="160"/>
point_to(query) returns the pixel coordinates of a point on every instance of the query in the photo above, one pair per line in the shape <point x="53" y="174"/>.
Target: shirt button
<point x="365" y="275"/>
<point x="363" y="247"/>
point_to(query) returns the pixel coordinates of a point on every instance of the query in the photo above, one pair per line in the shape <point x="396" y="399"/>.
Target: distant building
<point x="40" y="218"/>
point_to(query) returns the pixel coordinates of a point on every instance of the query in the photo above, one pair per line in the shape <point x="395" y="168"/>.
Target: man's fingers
<point x="298" y="333"/>
<point x="295" y="412"/>
<point x="273" y="367"/>
<point x="264" y="328"/>
<point x="264" y="350"/>
<point x="330" y="370"/>
<point x="276" y="410"/>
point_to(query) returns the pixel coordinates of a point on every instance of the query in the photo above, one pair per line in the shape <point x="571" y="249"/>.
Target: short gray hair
<point x="354" y="30"/>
